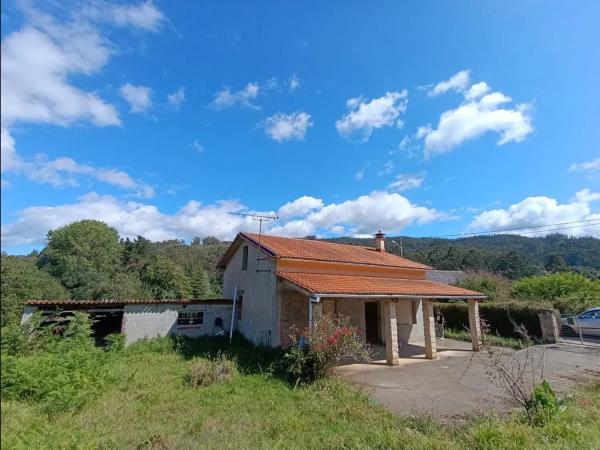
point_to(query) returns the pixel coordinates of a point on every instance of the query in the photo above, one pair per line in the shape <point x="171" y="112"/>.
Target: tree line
<point x="88" y="260"/>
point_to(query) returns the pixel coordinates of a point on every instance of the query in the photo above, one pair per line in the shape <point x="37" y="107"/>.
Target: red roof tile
<point x="184" y="301"/>
<point x="318" y="283"/>
<point x="317" y="250"/>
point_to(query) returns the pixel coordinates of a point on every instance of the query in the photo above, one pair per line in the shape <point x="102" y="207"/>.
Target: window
<point x="190" y="318"/>
<point x="245" y="258"/>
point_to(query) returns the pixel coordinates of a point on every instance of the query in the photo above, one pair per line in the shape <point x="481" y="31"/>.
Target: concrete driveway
<point x="456" y="385"/>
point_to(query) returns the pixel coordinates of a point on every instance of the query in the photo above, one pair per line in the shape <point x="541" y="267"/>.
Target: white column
<point x="391" y="332"/>
<point x="474" y="324"/>
<point x="429" y="328"/>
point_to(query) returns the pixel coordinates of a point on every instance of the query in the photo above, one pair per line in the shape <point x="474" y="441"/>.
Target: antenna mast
<point x="260" y="218"/>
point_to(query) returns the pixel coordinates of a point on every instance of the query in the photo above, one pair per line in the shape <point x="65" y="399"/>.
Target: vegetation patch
<point x="204" y="372"/>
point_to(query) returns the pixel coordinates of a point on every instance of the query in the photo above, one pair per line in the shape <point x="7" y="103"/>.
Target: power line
<point x="595" y="222"/>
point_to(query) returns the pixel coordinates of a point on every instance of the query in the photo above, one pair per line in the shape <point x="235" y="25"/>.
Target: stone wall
<point x="294" y="313"/>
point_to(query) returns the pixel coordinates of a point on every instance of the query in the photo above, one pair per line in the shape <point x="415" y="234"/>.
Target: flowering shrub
<point x="331" y="341"/>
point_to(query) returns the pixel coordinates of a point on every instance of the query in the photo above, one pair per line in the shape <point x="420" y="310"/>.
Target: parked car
<point x="589" y="321"/>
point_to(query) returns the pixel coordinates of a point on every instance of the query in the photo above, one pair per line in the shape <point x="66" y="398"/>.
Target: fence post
<point x="549" y="326"/>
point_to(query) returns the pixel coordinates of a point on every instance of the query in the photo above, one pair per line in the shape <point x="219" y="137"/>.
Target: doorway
<point x="371" y="323"/>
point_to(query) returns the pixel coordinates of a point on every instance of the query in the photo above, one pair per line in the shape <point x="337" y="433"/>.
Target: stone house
<point x="278" y="282"/>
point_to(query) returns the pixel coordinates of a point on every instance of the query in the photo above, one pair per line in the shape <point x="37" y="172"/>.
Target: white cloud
<point x="64" y="171"/>
<point x="588" y="166"/>
<point x="477" y="90"/>
<point x="197" y="146"/>
<point x="457" y="82"/>
<point x="142" y="15"/>
<point x="294" y="82"/>
<point x="138" y="97"/>
<point x="366" y="115"/>
<point x="359" y="175"/>
<point x="244" y="97"/>
<point x="35" y="68"/>
<point x="537" y="211"/>
<point x="282" y="127"/>
<point x="303" y="216"/>
<point x="299" y="207"/>
<point x="386" y="169"/>
<point x="480" y="113"/>
<point x="177" y="98"/>
<point x="406" y="181"/>
<point x="38" y="62"/>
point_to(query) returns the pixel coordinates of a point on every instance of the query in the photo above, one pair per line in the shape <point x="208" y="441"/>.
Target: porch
<point x="397" y="313"/>
<point x="402" y="327"/>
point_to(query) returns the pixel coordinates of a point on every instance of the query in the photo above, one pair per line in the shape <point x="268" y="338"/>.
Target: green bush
<point x="494" y="286"/>
<point x="569" y="292"/>
<point x="543" y="405"/>
<point x="498" y="316"/>
<point x="204" y="372"/>
<point x="66" y="378"/>
<point x="115" y="342"/>
<point x="331" y="340"/>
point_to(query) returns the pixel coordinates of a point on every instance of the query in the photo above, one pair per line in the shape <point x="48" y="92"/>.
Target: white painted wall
<point x="148" y="321"/>
<point x="260" y="306"/>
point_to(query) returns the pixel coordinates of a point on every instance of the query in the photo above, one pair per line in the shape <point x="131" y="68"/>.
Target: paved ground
<point x="456" y="385"/>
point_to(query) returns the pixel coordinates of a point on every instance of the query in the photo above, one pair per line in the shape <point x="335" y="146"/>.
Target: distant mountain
<point x="513" y="256"/>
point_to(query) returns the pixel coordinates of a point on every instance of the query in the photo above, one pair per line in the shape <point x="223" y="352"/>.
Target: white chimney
<point x="380" y="241"/>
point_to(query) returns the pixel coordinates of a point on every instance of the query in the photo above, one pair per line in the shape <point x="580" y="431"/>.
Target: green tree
<point x="200" y="284"/>
<point x="164" y="279"/>
<point x="555" y="264"/>
<point x="84" y="256"/>
<point x="21" y="280"/>
<point x="555" y="286"/>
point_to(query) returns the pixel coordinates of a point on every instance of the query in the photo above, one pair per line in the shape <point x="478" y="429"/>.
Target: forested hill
<point x="510" y="255"/>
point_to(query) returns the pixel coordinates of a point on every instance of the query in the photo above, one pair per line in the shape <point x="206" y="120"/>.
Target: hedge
<point x="497" y="316"/>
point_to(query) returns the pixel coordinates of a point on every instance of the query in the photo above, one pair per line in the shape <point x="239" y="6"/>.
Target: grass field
<point x="150" y="404"/>
<point x="497" y="341"/>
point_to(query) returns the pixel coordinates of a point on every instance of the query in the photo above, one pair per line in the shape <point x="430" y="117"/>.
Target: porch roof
<point x="360" y="285"/>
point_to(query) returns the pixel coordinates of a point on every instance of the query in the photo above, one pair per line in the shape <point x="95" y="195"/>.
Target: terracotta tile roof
<point x="184" y="301"/>
<point x="316" y="250"/>
<point x="318" y="283"/>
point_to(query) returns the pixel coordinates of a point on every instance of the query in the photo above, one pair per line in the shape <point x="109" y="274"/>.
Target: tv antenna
<point x="260" y="218"/>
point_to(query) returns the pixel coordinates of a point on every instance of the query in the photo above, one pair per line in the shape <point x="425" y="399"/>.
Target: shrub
<point x="13" y="340"/>
<point x="115" y="342"/>
<point x="67" y="377"/>
<point x="543" y="405"/>
<point x="204" y="372"/>
<point x="331" y="340"/>
<point x="497" y="315"/>
<point x="494" y="286"/>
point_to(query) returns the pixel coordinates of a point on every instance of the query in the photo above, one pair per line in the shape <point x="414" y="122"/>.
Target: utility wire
<point x="595" y="222"/>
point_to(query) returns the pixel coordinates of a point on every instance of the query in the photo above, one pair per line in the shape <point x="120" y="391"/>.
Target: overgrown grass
<point x="150" y="404"/>
<point x="497" y="341"/>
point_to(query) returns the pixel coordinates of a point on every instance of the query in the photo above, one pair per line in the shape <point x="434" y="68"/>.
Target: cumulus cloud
<point x="38" y="62"/>
<point x="405" y="181"/>
<point x="480" y="113"/>
<point x="457" y="82"/>
<point x="366" y="115"/>
<point x="177" y="98"/>
<point x="282" y="127"/>
<point x="588" y="166"/>
<point x="226" y="98"/>
<point x="539" y="211"/>
<point x="299" y="207"/>
<point x="303" y="216"/>
<point x="138" y="97"/>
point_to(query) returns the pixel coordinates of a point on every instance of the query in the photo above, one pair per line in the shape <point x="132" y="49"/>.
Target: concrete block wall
<point x="148" y="321"/>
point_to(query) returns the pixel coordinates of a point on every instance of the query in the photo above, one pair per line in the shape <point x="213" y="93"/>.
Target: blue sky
<point x="420" y="118"/>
